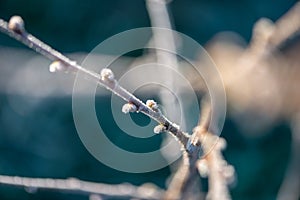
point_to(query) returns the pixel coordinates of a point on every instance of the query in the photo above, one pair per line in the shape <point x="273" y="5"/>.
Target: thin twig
<point x="184" y="179"/>
<point x="182" y="182"/>
<point x="216" y="168"/>
<point x="286" y="27"/>
<point x="73" y="185"/>
<point x="15" y="29"/>
<point x="213" y="164"/>
<point x="160" y="17"/>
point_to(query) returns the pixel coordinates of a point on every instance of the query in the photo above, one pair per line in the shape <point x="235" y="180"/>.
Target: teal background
<point x="44" y="143"/>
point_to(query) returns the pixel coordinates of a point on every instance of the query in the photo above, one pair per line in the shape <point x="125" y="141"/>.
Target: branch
<point x="181" y="186"/>
<point x="184" y="179"/>
<point x="213" y="165"/>
<point x="15" y="29"/>
<point x="160" y="17"/>
<point x="73" y="185"/>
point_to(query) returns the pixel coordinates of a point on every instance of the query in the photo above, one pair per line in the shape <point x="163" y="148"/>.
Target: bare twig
<point x="213" y="164"/>
<point x="286" y="27"/>
<point x="184" y="179"/>
<point x="73" y="185"/>
<point x="219" y="172"/>
<point x="15" y="29"/>
<point x="160" y="17"/>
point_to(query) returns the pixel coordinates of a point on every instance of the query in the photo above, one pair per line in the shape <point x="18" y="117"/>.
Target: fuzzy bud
<point x="228" y="173"/>
<point x="159" y="129"/>
<point x="202" y="166"/>
<point x="221" y="144"/>
<point x="16" y="24"/>
<point x="129" y="107"/>
<point x="107" y="74"/>
<point x="152" y="104"/>
<point x="57" y="66"/>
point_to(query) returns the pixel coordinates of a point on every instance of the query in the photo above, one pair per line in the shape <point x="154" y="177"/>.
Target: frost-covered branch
<point x="15" y="29"/>
<point x="73" y="185"/>
<point x="183" y="179"/>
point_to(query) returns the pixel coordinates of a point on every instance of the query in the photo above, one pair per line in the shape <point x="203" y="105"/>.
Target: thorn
<point x="16" y="24"/>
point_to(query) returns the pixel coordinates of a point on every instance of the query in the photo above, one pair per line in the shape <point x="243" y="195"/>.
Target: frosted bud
<point x="221" y="144"/>
<point x="152" y="104"/>
<point x="57" y="66"/>
<point x="16" y="24"/>
<point x="129" y="107"/>
<point x="159" y="128"/>
<point x="203" y="168"/>
<point x="228" y="173"/>
<point x="107" y="74"/>
<point x="263" y="28"/>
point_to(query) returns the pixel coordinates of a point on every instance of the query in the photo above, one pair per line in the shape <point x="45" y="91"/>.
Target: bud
<point x="16" y="24"/>
<point x="152" y="104"/>
<point x="202" y="166"/>
<point x="57" y="66"/>
<point x="159" y="129"/>
<point x="107" y="74"/>
<point x="129" y="107"/>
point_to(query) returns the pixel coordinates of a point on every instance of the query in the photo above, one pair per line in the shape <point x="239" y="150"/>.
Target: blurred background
<point x="37" y="133"/>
